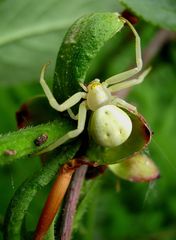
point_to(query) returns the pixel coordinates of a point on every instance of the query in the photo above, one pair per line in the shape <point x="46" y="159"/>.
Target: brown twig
<point x="54" y="199"/>
<point x="71" y="201"/>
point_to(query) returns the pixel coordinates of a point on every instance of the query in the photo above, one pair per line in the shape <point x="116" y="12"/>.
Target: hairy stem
<point x="23" y="142"/>
<point x="24" y="195"/>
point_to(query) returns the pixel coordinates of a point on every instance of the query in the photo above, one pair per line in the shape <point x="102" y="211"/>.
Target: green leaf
<point x="161" y="13"/>
<point x="31" y="32"/>
<point x="22" y="143"/>
<point x="81" y="44"/>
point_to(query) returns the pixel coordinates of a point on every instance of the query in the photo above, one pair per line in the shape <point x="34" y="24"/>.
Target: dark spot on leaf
<point x="10" y="152"/>
<point x="41" y="140"/>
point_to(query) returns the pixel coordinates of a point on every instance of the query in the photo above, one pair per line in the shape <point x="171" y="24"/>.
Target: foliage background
<point x="30" y="35"/>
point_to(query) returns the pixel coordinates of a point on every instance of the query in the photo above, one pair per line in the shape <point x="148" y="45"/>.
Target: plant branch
<point x="71" y="201"/>
<point x="54" y="200"/>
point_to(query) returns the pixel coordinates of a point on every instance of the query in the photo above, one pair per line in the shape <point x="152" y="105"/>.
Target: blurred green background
<point x="30" y="35"/>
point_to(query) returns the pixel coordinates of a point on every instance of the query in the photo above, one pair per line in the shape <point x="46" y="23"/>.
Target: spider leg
<point x="122" y="103"/>
<point x="74" y="99"/>
<point x="83" y="87"/>
<point x="127" y="74"/>
<point x="71" y="134"/>
<point x="129" y="83"/>
<point x="72" y="115"/>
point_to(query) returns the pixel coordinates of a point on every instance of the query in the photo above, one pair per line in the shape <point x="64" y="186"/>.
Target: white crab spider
<point x="109" y="125"/>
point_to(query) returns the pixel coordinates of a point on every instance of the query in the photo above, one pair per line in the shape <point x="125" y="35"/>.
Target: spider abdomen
<point x="110" y="126"/>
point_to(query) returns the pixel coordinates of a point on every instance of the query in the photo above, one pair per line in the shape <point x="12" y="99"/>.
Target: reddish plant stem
<point x="54" y="199"/>
<point x="71" y="201"/>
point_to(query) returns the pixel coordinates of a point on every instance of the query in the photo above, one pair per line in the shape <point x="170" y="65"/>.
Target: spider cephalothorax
<point x="109" y="125"/>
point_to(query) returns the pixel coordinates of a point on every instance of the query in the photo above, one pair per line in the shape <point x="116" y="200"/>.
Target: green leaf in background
<point x="31" y="32"/>
<point x="161" y="13"/>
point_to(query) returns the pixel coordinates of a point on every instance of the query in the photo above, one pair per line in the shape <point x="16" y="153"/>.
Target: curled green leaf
<point x="81" y="44"/>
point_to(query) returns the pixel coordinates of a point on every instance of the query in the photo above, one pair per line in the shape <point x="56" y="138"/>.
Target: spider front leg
<point x="127" y="74"/>
<point x="119" y="86"/>
<point x="74" y="99"/>
<point x="71" y="134"/>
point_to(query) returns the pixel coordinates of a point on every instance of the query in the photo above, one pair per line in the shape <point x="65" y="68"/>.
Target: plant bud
<point x="139" y="168"/>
